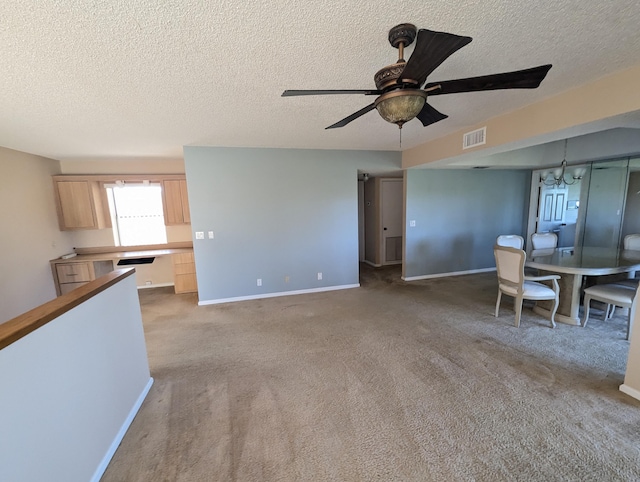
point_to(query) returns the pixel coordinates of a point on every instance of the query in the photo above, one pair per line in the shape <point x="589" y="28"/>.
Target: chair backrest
<point x="544" y="240"/>
<point x="632" y="241"/>
<point x="509" y="264"/>
<point x="510" y="240"/>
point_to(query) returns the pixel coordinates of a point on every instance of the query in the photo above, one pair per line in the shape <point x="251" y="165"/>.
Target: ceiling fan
<point x="401" y="88"/>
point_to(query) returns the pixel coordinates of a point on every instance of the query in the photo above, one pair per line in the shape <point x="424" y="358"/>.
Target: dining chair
<point x="632" y="242"/>
<point x="544" y="240"/>
<point x="611" y="294"/>
<point x="513" y="282"/>
<point x="510" y="240"/>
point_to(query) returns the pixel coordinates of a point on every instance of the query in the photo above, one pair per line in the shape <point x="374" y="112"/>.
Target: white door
<point x="551" y="211"/>
<point x="391" y="200"/>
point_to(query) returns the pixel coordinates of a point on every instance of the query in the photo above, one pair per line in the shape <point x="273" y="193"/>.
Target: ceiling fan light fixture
<point x="400" y="106"/>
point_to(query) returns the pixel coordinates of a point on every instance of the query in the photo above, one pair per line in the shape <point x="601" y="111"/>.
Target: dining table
<point x="575" y="265"/>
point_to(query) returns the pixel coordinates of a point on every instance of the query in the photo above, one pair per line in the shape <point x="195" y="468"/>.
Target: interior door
<point x="551" y="211"/>
<point x="391" y="200"/>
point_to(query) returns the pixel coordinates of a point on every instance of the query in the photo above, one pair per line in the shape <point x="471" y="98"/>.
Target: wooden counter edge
<point x="116" y="249"/>
<point x="20" y="326"/>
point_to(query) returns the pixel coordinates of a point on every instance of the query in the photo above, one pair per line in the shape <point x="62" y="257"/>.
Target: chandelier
<point x="558" y="176"/>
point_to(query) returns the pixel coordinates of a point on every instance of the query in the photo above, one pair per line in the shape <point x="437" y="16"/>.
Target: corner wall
<point x="30" y="233"/>
<point x="279" y="215"/>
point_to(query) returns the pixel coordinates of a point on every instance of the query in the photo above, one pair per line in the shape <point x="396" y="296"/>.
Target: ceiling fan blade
<point x="519" y="79"/>
<point x="428" y="115"/>
<point x="432" y="48"/>
<point x="353" y="116"/>
<point x="291" y="93"/>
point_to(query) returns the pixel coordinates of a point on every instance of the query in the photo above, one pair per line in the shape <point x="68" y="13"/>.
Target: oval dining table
<point x="573" y="265"/>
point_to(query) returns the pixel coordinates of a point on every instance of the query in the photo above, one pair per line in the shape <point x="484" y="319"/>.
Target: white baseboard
<point x="632" y="392"/>
<point x="445" y="275"/>
<point x="97" y="475"/>
<point x="157" y="285"/>
<point x="372" y="264"/>
<point x="275" y="295"/>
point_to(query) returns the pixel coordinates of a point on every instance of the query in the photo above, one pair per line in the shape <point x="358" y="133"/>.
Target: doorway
<point x="381" y="206"/>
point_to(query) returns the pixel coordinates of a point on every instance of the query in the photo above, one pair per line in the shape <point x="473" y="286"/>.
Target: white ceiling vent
<point x="475" y="138"/>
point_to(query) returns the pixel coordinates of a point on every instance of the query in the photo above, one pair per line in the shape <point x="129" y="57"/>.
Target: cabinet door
<point x="76" y="206"/>
<point x="73" y="272"/>
<point x="176" y="203"/>
<point x="66" y="287"/>
<point x="185" y="202"/>
<point x="81" y="204"/>
<point x="184" y="273"/>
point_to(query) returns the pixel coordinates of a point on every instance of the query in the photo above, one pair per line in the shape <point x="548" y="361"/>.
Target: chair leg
<point x="632" y="315"/>
<point x="587" y="303"/>
<point x="608" y="313"/>
<point x="498" y="302"/>
<point x="518" y="307"/>
<point x="553" y="312"/>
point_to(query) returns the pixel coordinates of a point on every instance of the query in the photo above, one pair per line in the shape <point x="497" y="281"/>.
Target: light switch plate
<point x="199" y="234"/>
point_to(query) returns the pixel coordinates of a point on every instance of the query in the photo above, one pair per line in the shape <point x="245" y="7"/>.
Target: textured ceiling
<point x="142" y="78"/>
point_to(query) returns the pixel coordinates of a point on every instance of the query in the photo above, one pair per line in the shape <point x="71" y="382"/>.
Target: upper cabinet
<point x="175" y="202"/>
<point x="80" y="204"/>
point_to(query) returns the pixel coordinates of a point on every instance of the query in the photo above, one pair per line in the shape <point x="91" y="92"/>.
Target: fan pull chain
<point x="400" y="137"/>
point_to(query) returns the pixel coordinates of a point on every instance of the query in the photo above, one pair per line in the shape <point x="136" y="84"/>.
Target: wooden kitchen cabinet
<point x="68" y="276"/>
<point x="80" y="204"/>
<point x="184" y="273"/>
<point x="175" y="202"/>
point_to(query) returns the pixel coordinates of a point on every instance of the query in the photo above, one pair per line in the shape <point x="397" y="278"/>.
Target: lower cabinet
<point x="184" y="273"/>
<point x="69" y="275"/>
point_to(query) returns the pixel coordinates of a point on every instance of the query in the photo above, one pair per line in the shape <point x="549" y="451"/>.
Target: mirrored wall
<point x="598" y="204"/>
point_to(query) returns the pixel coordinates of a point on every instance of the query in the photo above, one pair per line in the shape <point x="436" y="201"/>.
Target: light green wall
<point x="459" y="214"/>
<point x="276" y="213"/>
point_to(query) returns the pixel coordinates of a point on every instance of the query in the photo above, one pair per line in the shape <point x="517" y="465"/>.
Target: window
<point x="136" y="213"/>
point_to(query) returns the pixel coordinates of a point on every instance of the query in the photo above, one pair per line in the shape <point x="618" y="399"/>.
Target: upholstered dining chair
<point x="632" y="242"/>
<point x="511" y="240"/>
<point x="544" y="240"/>
<point x="611" y="294"/>
<point x="513" y="282"/>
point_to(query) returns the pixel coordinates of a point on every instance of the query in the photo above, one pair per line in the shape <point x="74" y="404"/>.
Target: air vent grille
<point x="474" y="138"/>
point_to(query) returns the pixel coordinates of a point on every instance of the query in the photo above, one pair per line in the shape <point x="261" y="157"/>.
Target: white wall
<point x="631" y="384"/>
<point x="30" y="236"/>
<point x="70" y="389"/>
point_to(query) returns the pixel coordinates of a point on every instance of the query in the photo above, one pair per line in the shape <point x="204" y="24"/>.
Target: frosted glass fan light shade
<point x="400" y="106"/>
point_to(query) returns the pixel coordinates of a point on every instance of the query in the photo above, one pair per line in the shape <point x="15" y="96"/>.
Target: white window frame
<point x="117" y="231"/>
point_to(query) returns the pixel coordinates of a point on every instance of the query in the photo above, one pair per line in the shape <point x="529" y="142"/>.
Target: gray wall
<point x="276" y="213"/>
<point x="459" y="214"/>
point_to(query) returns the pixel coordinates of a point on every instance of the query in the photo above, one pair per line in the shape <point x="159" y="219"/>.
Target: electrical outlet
<point x="199" y="234"/>
<point x="286" y="279"/>
<point x="319" y="276"/>
<point x="412" y="223"/>
<point x="259" y="282"/>
<point x="210" y="234"/>
<point x="148" y="283"/>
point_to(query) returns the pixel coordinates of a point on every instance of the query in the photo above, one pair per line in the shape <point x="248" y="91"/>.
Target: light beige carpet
<point x="391" y="381"/>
